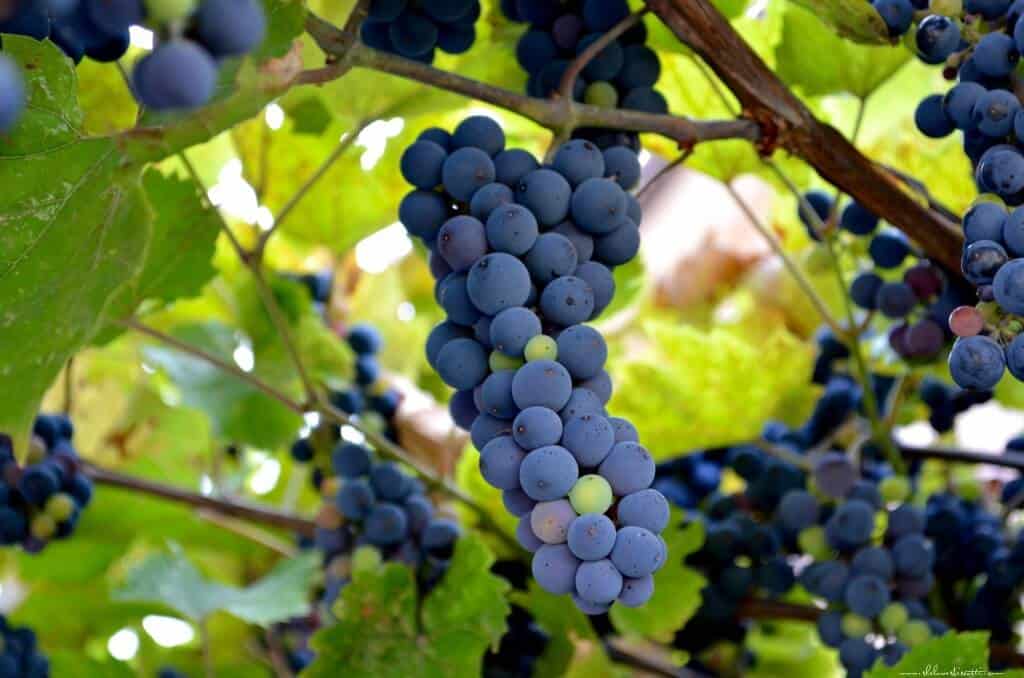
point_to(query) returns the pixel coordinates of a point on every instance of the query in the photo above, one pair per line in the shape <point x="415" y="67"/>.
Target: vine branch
<point x="788" y="123"/>
<point x="221" y="507"/>
<point x="576" y="66"/>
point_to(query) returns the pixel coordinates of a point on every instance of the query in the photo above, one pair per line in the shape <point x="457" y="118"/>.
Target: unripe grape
<point x="366" y="558"/>
<point x="966" y="321"/>
<point x="591" y="494"/>
<point x="855" y="626"/>
<point x="60" y="507"/>
<point x="914" y="632"/>
<point x="813" y="542"/>
<point x="893" y="617"/>
<point x="894" y="489"/>
<point x="43" y="527"/>
<point x="165" y="11"/>
<point x="499" y="361"/>
<point x="541" y="347"/>
<point x="601" y="94"/>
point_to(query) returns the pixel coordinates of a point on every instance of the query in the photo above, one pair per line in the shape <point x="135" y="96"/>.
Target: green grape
<point x="812" y="541"/>
<point x="499" y="361"/>
<point x="366" y="558"/>
<point x="914" y="632"/>
<point x="894" y="489"/>
<point x="950" y="8"/>
<point x="967" y="487"/>
<point x="591" y="494"/>
<point x="166" y="11"/>
<point x="43" y="527"/>
<point x="60" y="507"/>
<point x="893" y="617"/>
<point x="601" y="94"/>
<point x="36" y="450"/>
<point x="855" y="625"/>
<point x="541" y="347"/>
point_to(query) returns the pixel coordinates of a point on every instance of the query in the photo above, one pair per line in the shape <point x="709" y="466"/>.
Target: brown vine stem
<point x="790" y="124"/>
<point x="553" y="114"/>
<point x="576" y="66"/>
<point x="221" y="507"/>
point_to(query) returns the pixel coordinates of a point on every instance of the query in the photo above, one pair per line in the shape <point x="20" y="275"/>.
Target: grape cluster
<point x="194" y="36"/>
<point x="43" y="500"/>
<point x="19" y="653"/>
<point x="984" y="107"/>
<point x="906" y="289"/>
<point x="367" y="397"/>
<point x="416" y="29"/>
<point x="945" y="402"/>
<point x="373" y="510"/>
<point x="523" y="255"/>
<point x="622" y="75"/>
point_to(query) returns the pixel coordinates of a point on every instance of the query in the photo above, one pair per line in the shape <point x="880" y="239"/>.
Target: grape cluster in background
<point x="44" y="499"/>
<point x="979" y="44"/>
<point x="192" y="38"/>
<point x="523" y="256"/>
<point x="622" y="75"/>
<point x="20" y="655"/>
<point x="416" y="29"/>
<point x="910" y="292"/>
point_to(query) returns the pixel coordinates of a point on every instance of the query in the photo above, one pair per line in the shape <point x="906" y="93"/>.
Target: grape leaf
<point x="676" y="588"/>
<point x="311" y="115"/>
<point x="699" y="376"/>
<point x="857" y="21"/>
<point x="285" y="21"/>
<point x="965" y="652"/>
<point x="171" y="580"/>
<point x="238" y="411"/>
<point x="178" y="259"/>
<point x="838" y="65"/>
<point x="73" y="229"/>
<point x="381" y="633"/>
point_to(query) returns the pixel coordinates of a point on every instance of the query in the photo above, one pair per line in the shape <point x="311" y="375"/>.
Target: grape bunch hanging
<point x="523" y="256"/>
<point x="416" y="29"/>
<point x="979" y="44"/>
<point x="44" y="499"/>
<point x="622" y="75"/>
<point x="192" y="38"/>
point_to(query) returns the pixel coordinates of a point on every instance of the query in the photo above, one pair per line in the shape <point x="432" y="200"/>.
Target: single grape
<point x="554" y="567"/>
<point x="593" y="494"/>
<point x="976" y="363"/>
<point x="541" y="347"/>
<point x="550" y="521"/>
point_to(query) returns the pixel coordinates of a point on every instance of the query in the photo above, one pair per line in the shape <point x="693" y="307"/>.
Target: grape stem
<point x="345" y="51"/>
<point x="787" y="122"/>
<point x="576" y="66"/>
<point x="217" y="506"/>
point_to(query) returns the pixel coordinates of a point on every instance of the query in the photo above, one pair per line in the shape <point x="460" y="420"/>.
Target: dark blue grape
<point x="591" y="537"/>
<point x="851" y="525"/>
<point x="579" y="160"/>
<point x="355" y="499"/>
<point x="465" y="171"/>
<point x="601" y="282"/>
<point x="582" y="350"/>
<point x="178" y="74"/>
<point x="622" y="164"/>
<point x="413" y="35"/>
<point x="537" y="427"/>
<point x="601" y="15"/>
<point x="645" y="100"/>
<point x="897" y="15"/>
<point x="455" y="38"/>
<point x="511" y="165"/>
<point x="350" y="460"/>
<point x="500" y="460"/>
<point x="453" y="297"/>
<point x="647" y="509"/>
<point x="567" y="301"/>
<point x="552" y="256"/>
<point x="546" y="193"/>
<point x="582" y="242"/>
<point x="637" y="552"/>
<point x="498" y="281"/>
<point x="857" y="219"/>
<point x="984" y="221"/>
<point x="439" y="337"/>
<point x="386" y="10"/>
<point x="895" y="299"/>
<point x="114" y="17"/>
<point x="864" y="290"/>
<point x="543" y="383"/>
<point x="598" y="206"/>
<point x="421" y="164"/>
<point x="600" y="385"/>
<point x="982" y="260"/>
<point x="867" y="595"/>
<point x="486" y="428"/>
<point x="535" y="50"/>
<point x="994" y="113"/>
<point x="628" y="468"/>
<point x="1008" y="287"/>
<point x="855" y="654"/>
<point x="517" y="502"/>
<point x="937" y="38"/>
<point x="996" y="55"/>
<point x="462" y="240"/>
<point x="976" y="363"/>
<point x="554" y="567"/>
<point x="606" y="64"/>
<point x="620" y="246"/>
<point x="598" y="582"/>
<point x="589" y="438"/>
<point x="990" y="9"/>
<point x="888" y="249"/>
<point x="230" y="27"/>
<point x="479" y="131"/>
<point x="423" y="213"/>
<point x="797" y="510"/>
<point x="512" y="228"/>
<point x="462" y="363"/>
<point x="488" y="199"/>
<point x="548" y="473"/>
<point x="959" y="103"/>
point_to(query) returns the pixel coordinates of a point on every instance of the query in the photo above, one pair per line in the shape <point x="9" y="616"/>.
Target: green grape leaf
<point x="238" y="411"/>
<point x="286" y="21"/>
<point x="699" y="375"/>
<point x="838" y="65"/>
<point x="70" y="664"/>
<point x="964" y="652"/>
<point x="854" y="20"/>
<point x="676" y="588"/>
<point x="311" y="115"/>
<point x="179" y="258"/>
<point x="380" y="631"/>
<point x="73" y="229"/>
<point x="171" y="580"/>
